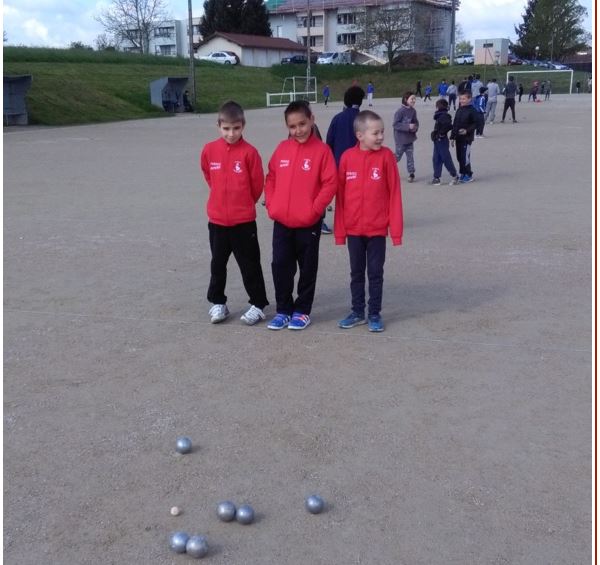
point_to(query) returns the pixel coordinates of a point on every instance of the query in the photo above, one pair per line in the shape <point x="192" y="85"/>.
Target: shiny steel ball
<point x="184" y="445"/>
<point x="178" y="541"/>
<point x="226" y="511"/>
<point x="197" y="546"/>
<point x="245" y="514"/>
<point x="314" y="504"/>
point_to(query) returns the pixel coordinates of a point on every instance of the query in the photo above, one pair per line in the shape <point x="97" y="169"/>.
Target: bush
<point x="413" y="61"/>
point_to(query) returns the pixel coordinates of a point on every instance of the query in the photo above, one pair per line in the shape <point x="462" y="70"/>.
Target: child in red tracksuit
<point x="368" y="206"/>
<point x="234" y="174"/>
<point x="301" y="182"/>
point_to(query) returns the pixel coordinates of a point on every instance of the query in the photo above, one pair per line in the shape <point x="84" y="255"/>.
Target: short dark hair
<point x="363" y="117"/>
<point x="298" y="107"/>
<point x="231" y="112"/>
<point x="406" y="96"/>
<point x="353" y="96"/>
<point x="482" y="89"/>
<point x="466" y="93"/>
<point x="442" y="104"/>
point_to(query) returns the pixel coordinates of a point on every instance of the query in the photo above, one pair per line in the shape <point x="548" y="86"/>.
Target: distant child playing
<point x="465" y="122"/>
<point x="301" y="182"/>
<point x="234" y="174"/>
<point x="480" y="105"/>
<point x="405" y="127"/>
<point x="441" y="145"/>
<point x="368" y="207"/>
<point x="428" y="90"/>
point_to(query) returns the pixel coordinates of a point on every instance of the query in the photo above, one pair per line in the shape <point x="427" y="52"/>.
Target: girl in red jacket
<point x="368" y="206"/>
<point x="301" y="182"/>
<point x="234" y="174"/>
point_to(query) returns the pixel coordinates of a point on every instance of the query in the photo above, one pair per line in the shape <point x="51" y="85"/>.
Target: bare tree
<point x="104" y="42"/>
<point x="134" y="20"/>
<point x="388" y="29"/>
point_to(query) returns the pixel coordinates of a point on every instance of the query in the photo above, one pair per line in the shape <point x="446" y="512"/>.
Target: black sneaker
<point x="436" y="182"/>
<point x="411" y="177"/>
<point x="325" y="228"/>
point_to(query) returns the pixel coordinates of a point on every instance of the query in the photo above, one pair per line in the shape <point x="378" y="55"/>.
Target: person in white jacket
<point x="492" y="100"/>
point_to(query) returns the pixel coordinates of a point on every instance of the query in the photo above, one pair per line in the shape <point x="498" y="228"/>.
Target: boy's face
<point x="231" y="132"/>
<point x="299" y="126"/>
<point x="371" y="138"/>
<point x="412" y="100"/>
<point x="464" y="100"/>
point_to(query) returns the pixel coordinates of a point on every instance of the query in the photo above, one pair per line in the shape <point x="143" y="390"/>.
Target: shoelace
<point x="253" y="314"/>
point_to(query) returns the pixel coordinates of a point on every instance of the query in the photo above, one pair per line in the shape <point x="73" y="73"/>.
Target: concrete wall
<point x="249" y="56"/>
<point x="488" y="50"/>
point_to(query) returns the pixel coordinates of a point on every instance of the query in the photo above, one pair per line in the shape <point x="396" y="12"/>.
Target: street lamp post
<point x="192" y="67"/>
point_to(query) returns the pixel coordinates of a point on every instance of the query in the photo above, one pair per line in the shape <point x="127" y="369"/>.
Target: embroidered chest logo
<point x="351" y="175"/>
<point x="306" y="164"/>
<point x="376" y="173"/>
<point x="215" y="166"/>
<point x="237" y="167"/>
<point x="284" y="163"/>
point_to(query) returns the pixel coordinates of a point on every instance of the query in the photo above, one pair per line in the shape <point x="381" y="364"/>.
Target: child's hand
<point x="462" y="131"/>
<point x="412" y="127"/>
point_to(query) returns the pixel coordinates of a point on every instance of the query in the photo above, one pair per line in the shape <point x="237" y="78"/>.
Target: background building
<point x="334" y="23"/>
<point x="491" y="51"/>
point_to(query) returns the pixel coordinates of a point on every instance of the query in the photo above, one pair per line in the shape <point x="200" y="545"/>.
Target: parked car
<point x="444" y="60"/>
<point x="514" y="60"/>
<point x="222" y="57"/>
<point x="334" y="58"/>
<point x="559" y="66"/>
<point x="465" y="59"/>
<point x="294" y="60"/>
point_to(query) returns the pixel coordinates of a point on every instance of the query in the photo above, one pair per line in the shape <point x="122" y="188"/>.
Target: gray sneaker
<point x="218" y="313"/>
<point x="253" y="316"/>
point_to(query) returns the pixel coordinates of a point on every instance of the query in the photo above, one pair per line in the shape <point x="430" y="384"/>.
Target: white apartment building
<point x="169" y="39"/>
<point x="333" y="23"/>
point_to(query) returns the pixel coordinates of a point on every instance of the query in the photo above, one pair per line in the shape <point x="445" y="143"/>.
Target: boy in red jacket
<point x="234" y="174"/>
<point x="368" y="205"/>
<point x="301" y="182"/>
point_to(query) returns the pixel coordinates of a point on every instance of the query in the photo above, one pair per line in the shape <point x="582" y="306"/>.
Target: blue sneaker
<point x="351" y="320"/>
<point x="299" y="321"/>
<point x="375" y="323"/>
<point x="466" y="178"/>
<point x="279" y="322"/>
<point x="326" y="229"/>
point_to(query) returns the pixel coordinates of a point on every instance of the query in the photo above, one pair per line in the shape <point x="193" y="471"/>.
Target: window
<point x="163" y="32"/>
<point x="166" y="50"/>
<point x="346" y="39"/>
<point x="346" y="19"/>
<point x="315" y="21"/>
<point x="315" y="40"/>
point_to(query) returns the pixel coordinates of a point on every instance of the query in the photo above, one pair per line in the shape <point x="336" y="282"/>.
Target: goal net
<point x="561" y="82"/>
<point x="294" y="88"/>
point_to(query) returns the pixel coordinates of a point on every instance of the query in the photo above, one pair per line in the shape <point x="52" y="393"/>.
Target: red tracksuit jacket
<point x="235" y="177"/>
<point x="301" y="182"/>
<point x="368" y="201"/>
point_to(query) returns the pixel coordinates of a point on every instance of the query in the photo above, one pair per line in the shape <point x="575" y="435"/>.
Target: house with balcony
<point x="334" y="25"/>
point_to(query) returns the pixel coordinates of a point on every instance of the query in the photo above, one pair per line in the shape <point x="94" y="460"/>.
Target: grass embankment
<point x="77" y="86"/>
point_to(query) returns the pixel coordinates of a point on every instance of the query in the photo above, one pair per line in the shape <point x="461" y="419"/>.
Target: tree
<point x="105" y="43"/>
<point x="134" y="20"/>
<point x="464" y="46"/>
<point x="387" y="29"/>
<point x="235" y="16"/>
<point x="555" y="26"/>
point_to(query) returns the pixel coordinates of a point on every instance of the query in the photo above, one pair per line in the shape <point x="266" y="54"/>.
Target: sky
<point x="58" y="23"/>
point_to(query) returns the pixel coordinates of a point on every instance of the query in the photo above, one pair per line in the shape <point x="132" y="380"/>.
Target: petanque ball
<point x="178" y="541"/>
<point x="197" y="546"/>
<point x="226" y="511"/>
<point x="314" y="504"/>
<point x="184" y="444"/>
<point x="245" y="514"/>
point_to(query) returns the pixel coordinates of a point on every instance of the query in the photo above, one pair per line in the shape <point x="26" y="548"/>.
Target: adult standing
<point x="548" y="90"/>
<point x="465" y="85"/>
<point x="418" y="89"/>
<point x="492" y="100"/>
<point x="510" y="90"/>
<point x="476" y="84"/>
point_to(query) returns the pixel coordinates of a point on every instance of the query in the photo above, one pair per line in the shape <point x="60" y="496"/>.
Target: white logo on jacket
<point x="351" y="175"/>
<point x="284" y="163"/>
<point x="306" y="165"/>
<point x="237" y="167"/>
<point x="376" y="173"/>
<point x="215" y="166"/>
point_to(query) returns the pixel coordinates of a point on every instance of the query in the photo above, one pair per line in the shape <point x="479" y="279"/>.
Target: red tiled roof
<point x="244" y="40"/>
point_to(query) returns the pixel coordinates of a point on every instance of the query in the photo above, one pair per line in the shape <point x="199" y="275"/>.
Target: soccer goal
<point x="294" y="88"/>
<point x="562" y="81"/>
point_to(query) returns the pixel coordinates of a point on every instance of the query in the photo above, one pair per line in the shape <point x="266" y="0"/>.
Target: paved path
<point x="461" y="435"/>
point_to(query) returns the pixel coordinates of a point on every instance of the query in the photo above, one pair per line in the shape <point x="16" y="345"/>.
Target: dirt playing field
<point x="462" y="435"/>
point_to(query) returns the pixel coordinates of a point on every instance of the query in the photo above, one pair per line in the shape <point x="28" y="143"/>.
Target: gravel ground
<point x="461" y="435"/>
